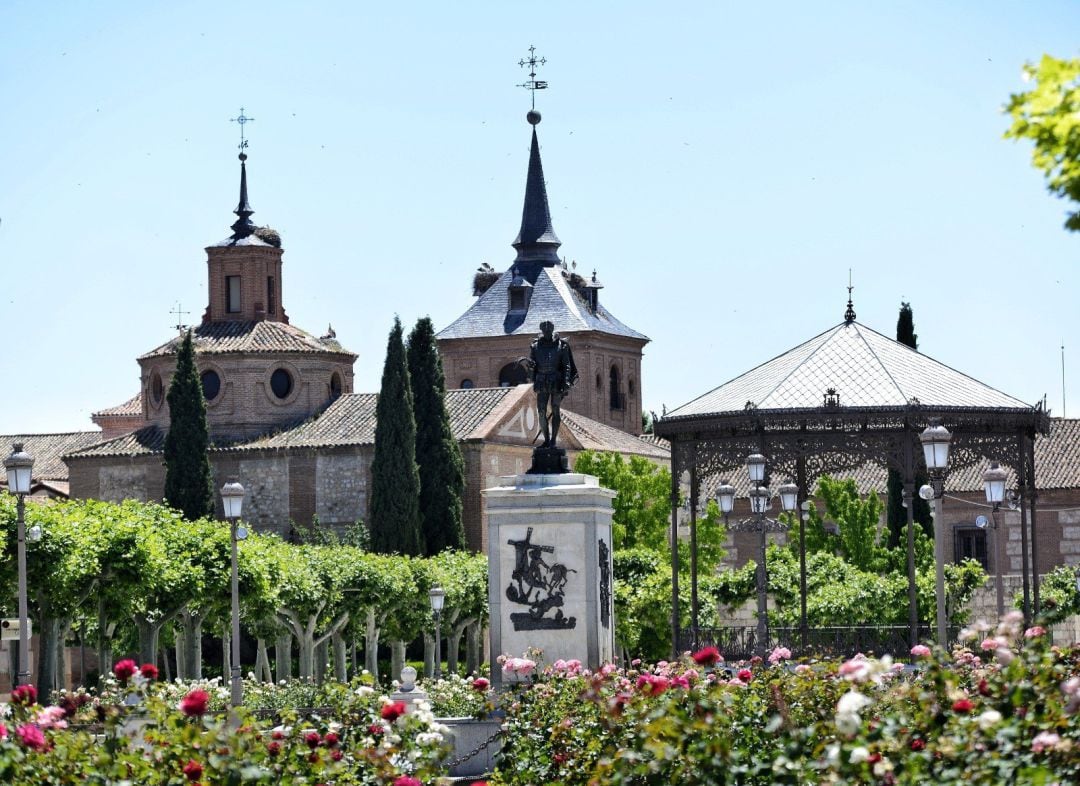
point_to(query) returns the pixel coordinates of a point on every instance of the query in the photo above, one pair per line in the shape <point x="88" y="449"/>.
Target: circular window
<point x="335" y="386"/>
<point x="157" y="389"/>
<point x="281" y="383"/>
<point x="211" y="385"/>
<point x="467" y="384"/>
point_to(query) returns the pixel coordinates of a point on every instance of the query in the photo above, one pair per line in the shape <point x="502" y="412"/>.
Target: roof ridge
<point x="880" y="362"/>
<point x="804" y="361"/>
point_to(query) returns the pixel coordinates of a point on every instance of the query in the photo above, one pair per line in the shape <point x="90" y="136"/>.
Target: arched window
<point x="335" y="386"/>
<point x="613" y="387"/>
<point x="467" y="384"/>
<point x="512" y="374"/>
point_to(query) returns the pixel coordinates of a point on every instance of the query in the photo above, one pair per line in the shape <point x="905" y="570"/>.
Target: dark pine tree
<point x="187" y="466"/>
<point x="395" y="481"/>
<point x="442" y="468"/>
<point x="897" y="514"/>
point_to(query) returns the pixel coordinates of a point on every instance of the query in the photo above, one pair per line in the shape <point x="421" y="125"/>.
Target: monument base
<point x="549" y="461"/>
<point x="549" y="570"/>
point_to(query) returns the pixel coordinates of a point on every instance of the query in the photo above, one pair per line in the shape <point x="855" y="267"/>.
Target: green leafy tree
<point x="395" y="478"/>
<point x="1049" y="115"/>
<point x="187" y="465"/>
<point x="897" y="513"/>
<point x="442" y="468"/>
<point x="642" y="505"/>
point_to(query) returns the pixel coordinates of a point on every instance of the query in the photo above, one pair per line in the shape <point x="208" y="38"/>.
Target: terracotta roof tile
<point x="48" y="449"/>
<point x="264" y="336"/>
<point x="130" y="408"/>
<point x="594" y="435"/>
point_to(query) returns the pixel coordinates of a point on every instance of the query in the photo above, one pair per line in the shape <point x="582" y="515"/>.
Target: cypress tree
<point x="897" y="514"/>
<point x="395" y="479"/>
<point x="442" y="468"/>
<point x="187" y="466"/>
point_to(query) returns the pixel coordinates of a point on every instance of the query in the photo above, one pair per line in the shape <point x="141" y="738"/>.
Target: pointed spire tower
<point x="244" y="226"/>
<point x="536" y="240"/>
<point x="483" y="346"/>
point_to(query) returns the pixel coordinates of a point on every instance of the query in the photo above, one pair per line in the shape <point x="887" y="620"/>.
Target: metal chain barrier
<point x="482" y="746"/>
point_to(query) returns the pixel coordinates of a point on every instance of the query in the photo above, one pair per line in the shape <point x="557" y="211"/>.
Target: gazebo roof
<point x="863" y="367"/>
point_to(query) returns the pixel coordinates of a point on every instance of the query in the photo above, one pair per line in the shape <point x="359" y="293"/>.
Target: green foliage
<point x="1049" y="115"/>
<point x="395" y="479"/>
<point x="858" y="519"/>
<point x="187" y="465"/>
<point x="642" y="505"/>
<point x="441" y="466"/>
<point x="1058" y="595"/>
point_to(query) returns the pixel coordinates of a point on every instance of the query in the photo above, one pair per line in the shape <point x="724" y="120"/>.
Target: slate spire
<point x="536" y="240"/>
<point x="244" y="226"/>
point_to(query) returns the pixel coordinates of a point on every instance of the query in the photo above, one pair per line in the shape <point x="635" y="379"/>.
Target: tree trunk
<point x="262" y="661"/>
<point x="104" y="642"/>
<point x="178" y="645"/>
<point x="321" y="652"/>
<point x="453" y="646"/>
<point x="397" y="659"/>
<point x="148" y="640"/>
<point x="48" y="635"/>
<point x="472" y="648"/>
<point x="192" y="622"/>
<point x="341" y="661"/>
<point x="429" y="654"/>
<point x="62" y="653"/>
<point x="165" y="664"/>
<point x="371" y="645"/>
<point x="283" y="656"/>
<point x="307" y="657"/>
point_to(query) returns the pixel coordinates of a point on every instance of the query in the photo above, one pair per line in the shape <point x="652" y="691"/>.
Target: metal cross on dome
<point x="533" y="84"/>
<point x="242" y="121"/>
<point x="180" y="314"/>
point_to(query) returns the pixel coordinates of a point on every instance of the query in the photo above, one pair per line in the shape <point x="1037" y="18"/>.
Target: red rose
<point x="277" y="734"/>
<point x="406" y="780"/>
<point x="335" y="755"/>
<point x="312" y="739"/>
<point x="963" y="705"/>
<point x="313" y="757"/>
<point x="709" y="656"/>
<point x="330" y="740"/>
<point x="273" y="748"/>
<point x="917" y="744"/>
<point x="149" y="670"/>
<point x="745" y="675"/>
<point x="873" y="758"/>
<point x="392" y="711"/>
<point x="192" y="770"/>
<point x="375" y="729"/>
<point x="481" y="684"/>
<point x="197" y="702"/>
<point x="24" y="694"/>
<point x="125" y="669"/>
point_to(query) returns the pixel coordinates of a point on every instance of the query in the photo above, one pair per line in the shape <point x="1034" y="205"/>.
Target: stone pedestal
<point x="549" y="569"/>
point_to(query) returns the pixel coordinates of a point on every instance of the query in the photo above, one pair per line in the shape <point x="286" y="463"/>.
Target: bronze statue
<point x="552" y="372"/>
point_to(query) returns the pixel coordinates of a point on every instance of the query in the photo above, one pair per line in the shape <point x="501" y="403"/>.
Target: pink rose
<point x="195" y="703"/>
<point x="708" y="656"/>
<point x="1044" y="740"/>
<point x="125" y="669"/>
<point x="31" y="736"/>
<point x="920" y="651"/>
<point x="481" y="684"/>
<point x="1034" y="631"/>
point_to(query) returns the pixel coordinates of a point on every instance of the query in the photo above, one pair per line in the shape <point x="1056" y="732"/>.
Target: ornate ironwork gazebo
<point x="847" y="397"/>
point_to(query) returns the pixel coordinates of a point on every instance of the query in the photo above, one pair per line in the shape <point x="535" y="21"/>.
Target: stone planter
<point x="468" y="734"/>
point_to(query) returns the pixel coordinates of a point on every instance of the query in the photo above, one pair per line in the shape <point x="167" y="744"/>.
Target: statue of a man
<point x="553" y="373"/>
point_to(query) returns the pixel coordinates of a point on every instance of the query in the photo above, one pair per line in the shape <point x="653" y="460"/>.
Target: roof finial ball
<point x="533" y="117"/>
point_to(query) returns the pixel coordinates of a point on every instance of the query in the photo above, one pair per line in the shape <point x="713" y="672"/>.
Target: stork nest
<point x="268" y="235"/>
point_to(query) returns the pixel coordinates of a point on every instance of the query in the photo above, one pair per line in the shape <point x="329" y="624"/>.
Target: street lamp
<point x="994" y="484"/>
<point x="935" y="440"/>
<point x="437" y="596"/>
<point x="725" y="497"/>
<point x="19" y="466"/>
<point x="232" y="500"/>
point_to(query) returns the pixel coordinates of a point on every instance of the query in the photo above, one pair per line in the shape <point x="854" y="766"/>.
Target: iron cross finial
<point x="242" y="121"/>
<point x="533" y="84"/>
<point x="180" y="314"/>
<point x="849" y="315"/>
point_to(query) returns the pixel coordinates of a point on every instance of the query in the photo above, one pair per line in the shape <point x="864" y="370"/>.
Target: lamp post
<point x="994" y="484"/>
<point x="437" y="595"/>
<point x="760" y="523"/>
<point x="19" y="466"/>
<point x="232" y="500"/>
<point x="935" y="440"/>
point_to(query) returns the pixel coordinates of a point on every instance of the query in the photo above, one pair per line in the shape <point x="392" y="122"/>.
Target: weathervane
<point x="180" y="326"/>
<point x="533" y="84"/>
<point x="242" y="121"/>
<point x="849" y="315"/>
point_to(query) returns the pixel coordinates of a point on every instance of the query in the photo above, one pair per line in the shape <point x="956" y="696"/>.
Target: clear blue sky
<point x="721" y="165"/>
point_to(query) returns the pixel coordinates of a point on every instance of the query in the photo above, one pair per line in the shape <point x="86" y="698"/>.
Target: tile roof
<point x="145" y="441"/>
<point x="47" y="450"/>
<point x="594" y="435"/>
<point x="130" y="408"/>
<point x="552" y="299"/>
<point x="263" y="336"/>
<point x="866" y="368"/>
